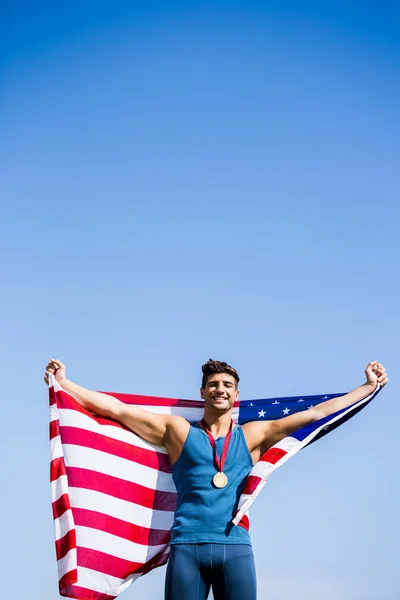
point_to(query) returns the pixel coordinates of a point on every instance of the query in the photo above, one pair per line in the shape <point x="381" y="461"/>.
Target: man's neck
<point x="218" y="424"/>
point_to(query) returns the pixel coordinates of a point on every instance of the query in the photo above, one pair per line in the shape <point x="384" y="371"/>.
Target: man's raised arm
<point x="265" y="434"/>
<point x="151" y="427"/>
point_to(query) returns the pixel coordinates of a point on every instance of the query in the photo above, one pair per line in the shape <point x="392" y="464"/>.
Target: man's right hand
<point x="56" y="368"/>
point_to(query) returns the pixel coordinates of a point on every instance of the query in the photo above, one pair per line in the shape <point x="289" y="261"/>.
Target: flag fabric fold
<point x="113" y="496"/>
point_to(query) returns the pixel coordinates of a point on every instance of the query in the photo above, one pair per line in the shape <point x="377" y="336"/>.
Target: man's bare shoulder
<point x="256" y="432"/>
<point x="178" y="425"/>
<point x="176" y="436"/>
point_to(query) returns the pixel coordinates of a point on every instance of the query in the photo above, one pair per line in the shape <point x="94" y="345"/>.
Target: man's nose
<point x="220" y="388"/>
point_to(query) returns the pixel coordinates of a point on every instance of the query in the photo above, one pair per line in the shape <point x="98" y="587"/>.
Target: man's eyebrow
<point x="223" y="381"/>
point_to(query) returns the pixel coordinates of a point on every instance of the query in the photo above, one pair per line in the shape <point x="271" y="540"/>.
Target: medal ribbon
<point x="219" y="461"/>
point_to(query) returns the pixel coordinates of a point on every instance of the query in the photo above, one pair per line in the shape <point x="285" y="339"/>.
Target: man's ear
<point x="202" y="393"/>
<point x="237" y="394"/>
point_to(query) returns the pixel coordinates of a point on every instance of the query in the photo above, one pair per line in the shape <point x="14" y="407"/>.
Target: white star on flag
<point x="286" y="411"/>
<point x="261" y="413"/>
<point x="301" y="400"/>
<point x="276" y="402"/>
<point x="311" y="406"/>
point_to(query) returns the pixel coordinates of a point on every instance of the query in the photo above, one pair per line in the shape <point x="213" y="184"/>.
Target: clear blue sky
<point x="187" y="180"/>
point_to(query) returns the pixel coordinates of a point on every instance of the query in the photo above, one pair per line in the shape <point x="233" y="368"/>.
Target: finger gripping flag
<point x="113" y="496"/>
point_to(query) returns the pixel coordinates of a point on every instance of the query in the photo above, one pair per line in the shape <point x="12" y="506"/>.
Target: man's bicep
<point x="149" y="426"/>
<point x="284" y="427"/>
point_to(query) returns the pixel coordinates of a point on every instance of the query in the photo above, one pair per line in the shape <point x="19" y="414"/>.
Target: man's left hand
<point x="376" y="373"/>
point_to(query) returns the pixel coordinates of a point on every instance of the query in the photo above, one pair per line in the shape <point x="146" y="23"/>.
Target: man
<point x="210" y="464"/>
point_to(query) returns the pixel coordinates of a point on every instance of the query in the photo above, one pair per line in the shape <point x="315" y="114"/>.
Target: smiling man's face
<point x="220" y="392"/>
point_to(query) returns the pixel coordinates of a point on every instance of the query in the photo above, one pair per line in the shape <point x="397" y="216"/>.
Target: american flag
<point x="113" y="496"/>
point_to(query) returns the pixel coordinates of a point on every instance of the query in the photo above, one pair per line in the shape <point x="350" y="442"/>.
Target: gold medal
<point x="220" y="480"/>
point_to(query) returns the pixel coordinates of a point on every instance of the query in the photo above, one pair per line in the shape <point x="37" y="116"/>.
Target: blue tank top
<point x="204" y="513"/>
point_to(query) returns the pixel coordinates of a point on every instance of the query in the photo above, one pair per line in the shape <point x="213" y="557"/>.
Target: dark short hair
<point x="216" y="366"/>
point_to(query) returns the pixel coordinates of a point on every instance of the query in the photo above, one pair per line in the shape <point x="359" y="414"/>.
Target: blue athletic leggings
<point x="227" y="568"/>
